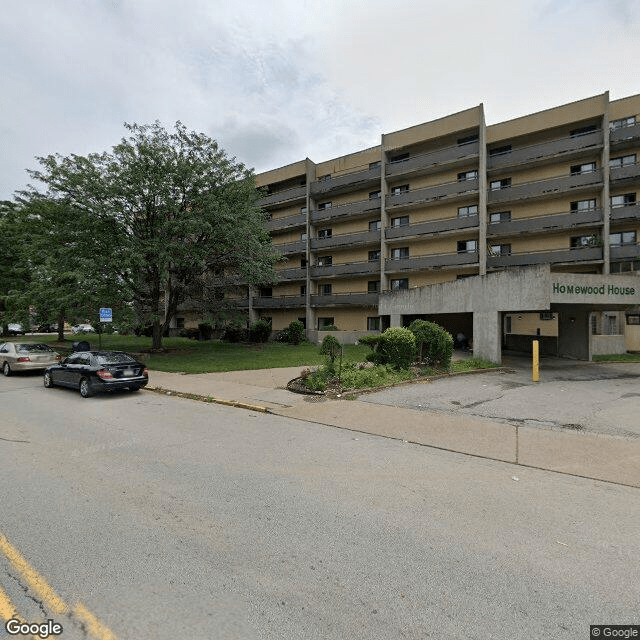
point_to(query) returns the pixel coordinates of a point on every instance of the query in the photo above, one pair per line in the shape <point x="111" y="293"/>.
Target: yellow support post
<point x="536" y="361"/>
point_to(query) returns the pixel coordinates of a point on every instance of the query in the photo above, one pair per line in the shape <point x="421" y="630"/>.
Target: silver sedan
<point x="26" y="356"/>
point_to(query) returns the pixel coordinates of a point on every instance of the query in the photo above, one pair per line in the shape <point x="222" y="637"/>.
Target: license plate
<point x="128" y="373"/>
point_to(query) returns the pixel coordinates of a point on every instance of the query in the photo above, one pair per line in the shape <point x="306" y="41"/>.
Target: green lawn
<point x="618" y="357"/>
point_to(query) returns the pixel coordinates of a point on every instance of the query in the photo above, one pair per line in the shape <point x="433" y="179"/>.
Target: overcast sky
<point x="275" y="81"/>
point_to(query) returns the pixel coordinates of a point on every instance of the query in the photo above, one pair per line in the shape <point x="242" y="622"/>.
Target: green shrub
<point x="397" y="347"/>
<point x="294" y="333"/>
<point x="260" y="331"/>
<point x="435" y="344"/>
<point x="234" y="333"/>
<point x="329" y="327"/>
<point x="330" y="347"/>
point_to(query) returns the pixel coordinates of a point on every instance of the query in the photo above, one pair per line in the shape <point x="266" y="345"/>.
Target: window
<point x="467" y="246"/>
<point x="374" y="165"/>
<point x="583" y="131"/>
<point x="400" y="283"/>
<point x="401" y="157"/>
<point x="611" y="325"/>
<point x="325" y="322"/>
<point x="594" y="325"/>
<point x="468" y="139"/>
<point x="500" y="249"/>
<point x="179" y="323"/>
<point x="374" y="255"/>
<point x="468" y="175"/>
<point x="324" y="205"/>
<point x="400" y="253"/>
<point x="623" y="201"/>
<point x="324" y="233"/>
<point x="583" y="205"/>
<point x="374" y="225"/>
<point x="586" y="167"/>
<point x="496" y="185"/>
<point x="498" y="151"/>
<point x="373" y="323"/>
<point x="266" y="292"/>
<point x="622" y="161"/>
<point x="303" y="210"/>
<point x="374" y="195"/>
<point x="500" y="216"/>
<point x="633" y="319"/>
<point x="577" y="242"/>
<point x="303" y="290"/>
<point x="373" y="286"/>
<point x="622" y="123"/>
<point x="622" y="237"/>
<point x="325" y="261"/>
<point x="303" y="237"/>
<point x="507" y="324"/>
<point x="324" y="290"/>
<point x="396" y="191"/>
<point x="470" y="210"/>
<point x="303" y="263"/>
<point x="400" y="221"/>
<point x="324" y="178"/>
<point x="303" y="321"/>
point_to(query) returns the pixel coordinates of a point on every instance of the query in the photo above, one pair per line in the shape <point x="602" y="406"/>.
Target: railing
<point x="432" y="194"/>
<point x="432" y="226"/>
<point x="430" y="261"/>
<point x="351" y="209"/>
<point x="296" y="220"/>
<point x="281" y="197"/>
<point x="624" y="134"/>
<point x="336" y="299"/>
<point x="346" y="181"/>
<point x="278" y="302"/>
<point x="431" y="159"/>
<point x="286" y="248"/>
<point x="292" y="274"/>
<point x="579" y="254"/>
<point x="346" y="239"/>
<point x="350" y="268"/>
<point x="545" y="222"/>
<point x="622" y="251"/>
<point x="627" y="212"/>
<point x="545" y="188"/>
<point x="625" y="172"/>
<point x="553" y="148"/>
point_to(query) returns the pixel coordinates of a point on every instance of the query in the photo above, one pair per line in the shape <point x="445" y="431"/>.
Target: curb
<point x="210" y="400"/>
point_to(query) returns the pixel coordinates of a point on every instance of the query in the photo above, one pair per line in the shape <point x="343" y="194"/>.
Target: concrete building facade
<point x="453" y="199"/>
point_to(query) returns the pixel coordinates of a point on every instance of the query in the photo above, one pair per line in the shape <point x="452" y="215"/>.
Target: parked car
<point x="97" y="371"/>
<point x="14" y="329"/>
<point x="26" y="356"/>
<point x="47" y="327"/>
<point x="82" y="328"/>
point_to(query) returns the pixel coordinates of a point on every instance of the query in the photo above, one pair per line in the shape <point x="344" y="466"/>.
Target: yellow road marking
<point x="7" y="610"/>
<point x="92" y="624"/>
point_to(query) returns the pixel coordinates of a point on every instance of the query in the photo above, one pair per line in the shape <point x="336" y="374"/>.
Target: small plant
<point x="330" y="347"/>
<point x="260" y="331"/>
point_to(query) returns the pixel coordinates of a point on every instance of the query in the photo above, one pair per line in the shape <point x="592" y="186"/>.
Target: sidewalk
<point x="598" y="456"/>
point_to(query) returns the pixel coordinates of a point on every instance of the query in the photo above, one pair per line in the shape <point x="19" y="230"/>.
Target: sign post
<point x="106" y="315"/>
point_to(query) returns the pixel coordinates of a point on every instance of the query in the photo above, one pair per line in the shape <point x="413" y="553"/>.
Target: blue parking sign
<point x="106" y="315"/>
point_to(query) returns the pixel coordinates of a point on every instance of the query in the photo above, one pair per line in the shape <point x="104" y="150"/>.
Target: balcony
<point x="346" y="182"/>
<point x="289" y="248"/>
<point x="284" y="197"/>
<point x="628" y="212"/>
<point x="351" y="268"/>
<point x="556" y="221"/>
<point x="288" y="222"/>
<point x="430" y="195"/>
<point x="357" y="209"/>
<point x="347" y="240"/>
<point x="361" y="299"/>
<point x="625" y="134"/>
<point x="557" y="256"/>
<point x="292" y="274"/>
<point x="626" y="172"/>
<point x="431" y="227"/>
<point x="625" y="251"/>
<point x="279" y="302"/>
<point x="556" y="150"/>
<point x="441" y="158"/>
<point x="546" y="188"/>
<point x="432" y="261"/>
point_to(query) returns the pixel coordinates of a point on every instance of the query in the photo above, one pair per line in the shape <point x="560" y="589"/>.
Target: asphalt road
<point x="151" y="516"/>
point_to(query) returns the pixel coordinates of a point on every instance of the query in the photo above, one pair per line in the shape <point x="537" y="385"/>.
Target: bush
<point x="330" y="347"/>
<point x="293" y="334"/>
<point x="205" y="330"/>
<point x="260" y="331"/>
<point x="235" y="334"/>
<point x="329" y="327"/>
<point x="397" y="347"/>
<point x="192" y="334"/>
<point x="435" y="344"/>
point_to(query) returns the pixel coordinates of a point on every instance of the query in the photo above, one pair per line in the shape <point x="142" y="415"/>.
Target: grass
<point x="471" y="364"/>
<point x="618" y="357"/>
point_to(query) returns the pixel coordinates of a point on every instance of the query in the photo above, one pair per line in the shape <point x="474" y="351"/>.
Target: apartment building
<point x="452" y="199"/>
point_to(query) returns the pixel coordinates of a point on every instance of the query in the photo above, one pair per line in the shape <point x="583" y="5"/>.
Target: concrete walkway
<point x="602" y="456"/>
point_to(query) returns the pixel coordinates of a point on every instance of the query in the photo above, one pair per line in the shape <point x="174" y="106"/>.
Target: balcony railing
<point x="346" y="240"/>
<point x="426" y="195"/>
<point x="546" y="188"/>
<point x="433" y="226"/>
<point x="288" y="248"/>
<point x="440" y="157"/>
<point x="284" y="197"/>
<point x="625" y="134"/>
<point x="336" y="299"/>
<point x="626" y="172"/>
<point x="288" y="222"/>
<point x="552" y="149"/>
<point x="350" y="268"/>
<point x="431" y="261"/>
<point x="628" y="212"/>
<point x="292" y="274"/>
<point x="346" y="182"/>
<point x="278" y="302"/>
<point x="579" y="254"/>
<point x="545" y="223"/>
<point x="351" y="209"/>
<point x="622" y="251"/>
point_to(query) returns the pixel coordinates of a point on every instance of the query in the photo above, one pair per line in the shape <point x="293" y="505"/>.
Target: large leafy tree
<point x="175" y="215"/>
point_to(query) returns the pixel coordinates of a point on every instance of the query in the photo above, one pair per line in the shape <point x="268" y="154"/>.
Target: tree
<point x="434" y="343"/>
<point x="181" y="218"/>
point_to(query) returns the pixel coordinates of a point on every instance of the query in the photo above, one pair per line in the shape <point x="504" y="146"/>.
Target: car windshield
<point x="26" y="348"/>
<point x="114" y="358"/>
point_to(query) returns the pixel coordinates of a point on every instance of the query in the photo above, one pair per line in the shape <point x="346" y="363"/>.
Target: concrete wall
<point x="632" y="337"/>
<point x="602" y="345"/>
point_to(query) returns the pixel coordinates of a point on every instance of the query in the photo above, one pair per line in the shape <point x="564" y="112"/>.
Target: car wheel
<point x="48" y="380"/>
<point x="134" y="389"/>
<point x="85" y="388"/>
<point x="6" y="369"/>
